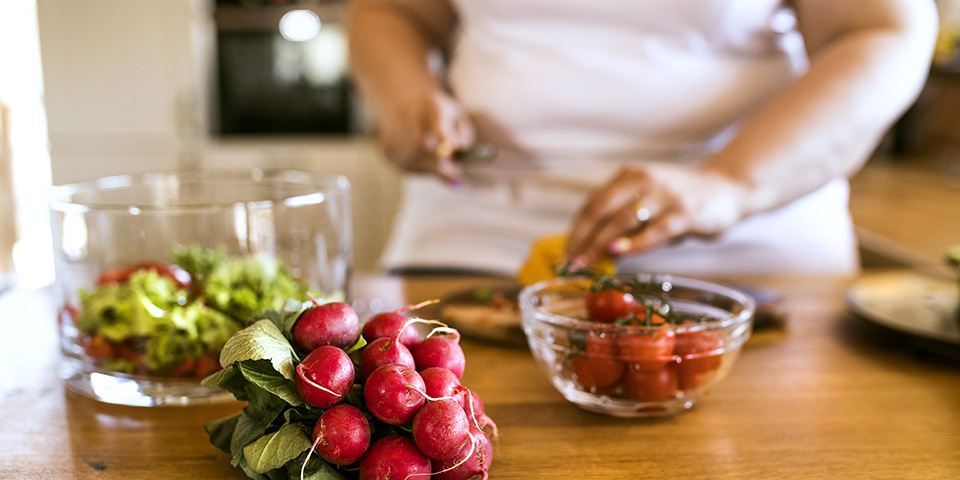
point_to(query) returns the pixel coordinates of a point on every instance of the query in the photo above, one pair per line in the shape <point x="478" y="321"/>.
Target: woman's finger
<point x="615" y="237"/>
<point x="656" y="233"/>
<point x="610" y="203"/>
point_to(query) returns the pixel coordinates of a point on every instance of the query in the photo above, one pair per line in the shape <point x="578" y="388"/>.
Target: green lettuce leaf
<point x="245" y="286"/>
<point x="132" y="309"/>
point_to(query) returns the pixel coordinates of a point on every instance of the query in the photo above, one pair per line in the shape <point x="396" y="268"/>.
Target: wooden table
<point x="825" y="397"/>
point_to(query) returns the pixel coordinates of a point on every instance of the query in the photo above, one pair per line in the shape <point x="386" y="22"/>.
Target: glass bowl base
<point x="120" y="389"/>
<point x="624" y="407"/>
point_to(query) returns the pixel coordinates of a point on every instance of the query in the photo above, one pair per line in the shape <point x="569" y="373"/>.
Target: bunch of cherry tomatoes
<point x="664" y="354"/>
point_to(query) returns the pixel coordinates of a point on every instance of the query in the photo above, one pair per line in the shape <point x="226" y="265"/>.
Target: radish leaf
<point x="273" y="450"/>
<point x="260" y="341"/>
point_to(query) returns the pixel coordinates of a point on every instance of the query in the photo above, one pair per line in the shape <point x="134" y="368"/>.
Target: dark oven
<point x="281" y="68"/>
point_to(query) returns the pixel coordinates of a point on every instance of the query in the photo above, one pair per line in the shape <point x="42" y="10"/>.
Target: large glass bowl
<point x="636" y="370"/>
<point x="155" y="270"/>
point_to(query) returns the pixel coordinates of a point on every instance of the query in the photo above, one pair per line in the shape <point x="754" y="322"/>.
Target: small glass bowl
<point x="636" y="370"/>
<point x="135" y="329"/>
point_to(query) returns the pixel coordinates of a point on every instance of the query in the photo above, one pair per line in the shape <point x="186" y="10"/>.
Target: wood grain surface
<point x="825" y="397"/>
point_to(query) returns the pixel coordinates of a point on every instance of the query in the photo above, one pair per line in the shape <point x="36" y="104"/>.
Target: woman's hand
<point x="423" y="132"/>
<point x="646" y="206"/>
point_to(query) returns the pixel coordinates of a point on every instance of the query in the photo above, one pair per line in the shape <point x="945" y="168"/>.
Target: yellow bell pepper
<point x="546" y="254"/>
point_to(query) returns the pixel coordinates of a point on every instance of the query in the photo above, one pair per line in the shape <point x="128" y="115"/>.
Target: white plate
<point x="909" y="302"/>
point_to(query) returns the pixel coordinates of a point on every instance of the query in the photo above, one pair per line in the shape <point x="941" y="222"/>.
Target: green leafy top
<point x="270" y="440"/>
<point x="261" y="341"/>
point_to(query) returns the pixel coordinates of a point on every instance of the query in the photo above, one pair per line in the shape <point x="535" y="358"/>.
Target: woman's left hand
<point x="646" y="206"/>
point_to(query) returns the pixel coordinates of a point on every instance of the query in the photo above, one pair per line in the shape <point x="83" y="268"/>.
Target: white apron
<point x="568" y="90"/>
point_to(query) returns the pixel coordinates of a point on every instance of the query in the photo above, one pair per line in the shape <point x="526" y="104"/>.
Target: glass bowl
<point x="637" y="367"/>
<point x="154" y="271"/>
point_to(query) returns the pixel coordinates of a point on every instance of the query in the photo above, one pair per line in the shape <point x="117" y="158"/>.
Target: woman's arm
<point x="392" y="43"/>
<point x="868" y="62"/>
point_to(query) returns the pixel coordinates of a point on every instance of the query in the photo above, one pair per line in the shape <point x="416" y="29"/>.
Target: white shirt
<point x="569" y="90"/>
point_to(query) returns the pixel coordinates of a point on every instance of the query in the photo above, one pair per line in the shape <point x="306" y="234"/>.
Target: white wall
<point x="24" y="160"/>
<point x="127" y="84"/>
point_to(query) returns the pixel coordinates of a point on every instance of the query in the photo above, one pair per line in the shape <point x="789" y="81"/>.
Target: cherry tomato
<point x="645" y="385"/>
<point x="608" y="305"/>
<point x="649" y="350"/>
<point x="595" y="373"/>
<point x="598" y="367"/>
<point x="697" y="352"/>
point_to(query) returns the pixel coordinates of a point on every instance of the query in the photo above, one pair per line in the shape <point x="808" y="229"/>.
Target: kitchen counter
<point x="825" y="396"/>
<point x="906" y="210"/>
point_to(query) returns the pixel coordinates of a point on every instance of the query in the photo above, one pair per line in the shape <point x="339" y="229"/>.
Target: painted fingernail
<point x="578" y="263"/>
<point x="456" y="182"/>
<point x="619" y="245"/>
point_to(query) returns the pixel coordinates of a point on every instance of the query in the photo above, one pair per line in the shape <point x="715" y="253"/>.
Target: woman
<point x="691" y="136"/>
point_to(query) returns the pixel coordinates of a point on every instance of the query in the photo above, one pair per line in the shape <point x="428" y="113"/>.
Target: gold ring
<point x="444" y="150"/>
<point x="643" y="213"/>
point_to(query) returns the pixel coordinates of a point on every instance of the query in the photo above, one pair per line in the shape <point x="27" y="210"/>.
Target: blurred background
<point x="97" y="87"/>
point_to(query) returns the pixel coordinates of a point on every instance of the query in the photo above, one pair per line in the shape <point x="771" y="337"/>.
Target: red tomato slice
<point x="184" y="368"/>
<point x="645" y="385"/>
<point x="608" y="305"/>
<point x="115" y="275"/>
<point x="122" y="274"/>
<point x="174" y="272"/>
<point x="648" y="350"/>
<point x="208" y="363"/>
<point x="99" y="347"/>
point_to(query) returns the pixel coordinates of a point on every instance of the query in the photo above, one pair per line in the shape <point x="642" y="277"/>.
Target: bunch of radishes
<point x="413" y="384"/>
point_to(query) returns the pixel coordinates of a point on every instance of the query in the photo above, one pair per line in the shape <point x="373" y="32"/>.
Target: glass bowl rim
<point x="60" y="196"/>
<point x="531" y="312"/>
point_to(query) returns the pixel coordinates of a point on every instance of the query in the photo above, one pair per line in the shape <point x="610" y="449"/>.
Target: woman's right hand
<point x="422" y="133"/>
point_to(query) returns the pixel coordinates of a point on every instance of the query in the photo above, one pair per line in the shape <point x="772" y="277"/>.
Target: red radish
<point x="472" y="404"/>
<point x="342" y="435"/>
<point x="441" y="429"/>
<point x="440" y="352"/>
<point x="471" y="462"/>
<point x="325" y="376"/>
<point x="387" y="324"/>
<point x="383" y="351"/>
<point x="440" y="382"/>
<point x="394" y="458"/>
<point x="334" y="323"/>
<point x="394" y="393"/>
